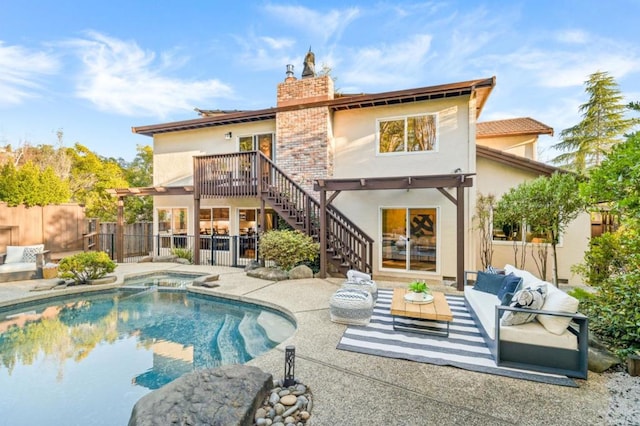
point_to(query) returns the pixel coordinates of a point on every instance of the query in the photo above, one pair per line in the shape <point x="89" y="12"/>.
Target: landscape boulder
<point x="228" y="395"/>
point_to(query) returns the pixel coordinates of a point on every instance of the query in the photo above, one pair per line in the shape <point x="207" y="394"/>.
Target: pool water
<point x="160" y="279"/>
<point x="87" y="360"/>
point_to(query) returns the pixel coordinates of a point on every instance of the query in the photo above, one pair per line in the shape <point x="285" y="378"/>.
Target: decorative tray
<point x="418" y="298"/>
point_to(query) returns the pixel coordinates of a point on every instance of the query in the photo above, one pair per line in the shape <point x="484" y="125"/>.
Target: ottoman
<point x="367" y="285"/>
<point x="351" y="306"/>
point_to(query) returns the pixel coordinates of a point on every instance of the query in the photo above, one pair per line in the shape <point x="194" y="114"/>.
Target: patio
<point x="353" y="388"/>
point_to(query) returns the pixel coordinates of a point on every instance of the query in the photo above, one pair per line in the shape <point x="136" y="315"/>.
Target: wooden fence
<point x="60" y="227"/>
<point x="138" y="238"/>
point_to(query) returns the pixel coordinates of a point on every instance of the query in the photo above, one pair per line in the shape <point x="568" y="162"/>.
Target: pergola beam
<point x="439" y="182"/>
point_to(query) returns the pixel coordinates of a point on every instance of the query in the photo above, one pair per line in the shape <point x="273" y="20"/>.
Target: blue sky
<point x="94" y="69"/>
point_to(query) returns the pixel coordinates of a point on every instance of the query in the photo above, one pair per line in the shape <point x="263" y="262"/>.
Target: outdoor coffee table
<point x="437" y="311"/>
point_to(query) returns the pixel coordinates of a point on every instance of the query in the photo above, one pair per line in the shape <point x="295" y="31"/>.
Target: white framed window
<point x="520" y="233"/>
<point x="412" y="133"/>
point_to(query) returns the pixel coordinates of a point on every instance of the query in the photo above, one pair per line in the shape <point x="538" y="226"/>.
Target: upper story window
<point x="415" y="133"/>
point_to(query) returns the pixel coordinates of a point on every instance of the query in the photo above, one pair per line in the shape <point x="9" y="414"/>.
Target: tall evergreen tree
<point x="603" y="124"/>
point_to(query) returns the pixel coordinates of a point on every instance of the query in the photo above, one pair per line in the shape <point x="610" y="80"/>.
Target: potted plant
<point x="418" y="292"/>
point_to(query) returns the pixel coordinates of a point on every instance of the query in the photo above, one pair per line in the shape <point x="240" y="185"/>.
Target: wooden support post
<point x="196" y="229"/>
<point x="323" y="233"/>
<point x="120" y="232"/>
<point x="460" y="231"/>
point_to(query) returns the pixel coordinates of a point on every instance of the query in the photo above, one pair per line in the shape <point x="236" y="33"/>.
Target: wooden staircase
<point x="347" y="247"/>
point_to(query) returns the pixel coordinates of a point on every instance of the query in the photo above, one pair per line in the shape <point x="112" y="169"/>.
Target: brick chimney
<point x="304" y="143"/>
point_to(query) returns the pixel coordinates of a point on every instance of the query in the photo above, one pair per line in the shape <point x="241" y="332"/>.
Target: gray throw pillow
<point x="528" y="298"/>
<point x="29" y="254"/>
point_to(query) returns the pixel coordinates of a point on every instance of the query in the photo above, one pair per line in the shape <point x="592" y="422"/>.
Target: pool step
<point x="229" y="346"/>
<point x="252" y="333"/>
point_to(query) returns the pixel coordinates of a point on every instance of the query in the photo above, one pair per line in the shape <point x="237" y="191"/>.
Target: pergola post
<point x="196" y="229"/>
<point x="120" y="232"/>
<point x="460" y="231"/>
<point x="323" y="233"/>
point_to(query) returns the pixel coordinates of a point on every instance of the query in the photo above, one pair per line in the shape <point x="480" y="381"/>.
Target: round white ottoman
<point x="351" y="306"/>
<point x="367" y="285"/>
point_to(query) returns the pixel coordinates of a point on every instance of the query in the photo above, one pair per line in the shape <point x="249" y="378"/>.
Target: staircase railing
<point x="253" y="174"/>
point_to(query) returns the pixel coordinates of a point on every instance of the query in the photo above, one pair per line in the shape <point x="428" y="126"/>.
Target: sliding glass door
<point x="409" y="239"/>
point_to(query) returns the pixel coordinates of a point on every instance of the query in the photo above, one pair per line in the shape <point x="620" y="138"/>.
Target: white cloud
<point x="264" y="53"/>
<point x="566" y="68"/>
<point x="328" y="25"/>
<point x="20" y="72"/>
<point x="573" y="36"/>
<point x="118" y="76"/>
<point x="400" y="63"/>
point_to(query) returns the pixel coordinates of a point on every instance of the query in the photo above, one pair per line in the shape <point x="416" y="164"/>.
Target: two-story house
<point x="386" y="182"/>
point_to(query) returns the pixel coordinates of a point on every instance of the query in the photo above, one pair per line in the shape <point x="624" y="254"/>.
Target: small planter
<point x="633" y="365"/>
<point x="49" y="272"/>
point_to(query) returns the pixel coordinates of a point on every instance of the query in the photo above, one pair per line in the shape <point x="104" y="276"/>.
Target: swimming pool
<point x="86" y="360"/>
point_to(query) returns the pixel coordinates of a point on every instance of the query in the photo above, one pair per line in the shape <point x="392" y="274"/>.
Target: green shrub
<point x="614" y="312"/>
<point x="83" y="267"/>
<point x="288" y="248"/>
<point x="183" y="253"/>
<point x="603" y="259"/>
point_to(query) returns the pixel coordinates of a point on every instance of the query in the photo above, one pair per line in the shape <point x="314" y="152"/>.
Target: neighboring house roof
<point x="481" y="87"/>
<point x="512" y="127"/>
<point x="516" y="161"/>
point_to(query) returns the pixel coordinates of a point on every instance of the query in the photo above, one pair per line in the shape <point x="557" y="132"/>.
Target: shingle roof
<point x="516" y="161"/>
<point x="513" y="126"/>
<point x="481" y="87"/>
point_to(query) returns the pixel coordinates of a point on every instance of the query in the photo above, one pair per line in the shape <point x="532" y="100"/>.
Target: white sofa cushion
<point x="17" y="267"/>
<point x="557" y="301"/>
<point x="528" y="279"/>
<point x="484" y="305"/>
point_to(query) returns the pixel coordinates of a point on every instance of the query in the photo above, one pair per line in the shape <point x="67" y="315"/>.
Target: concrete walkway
<point x="357" y="389"/>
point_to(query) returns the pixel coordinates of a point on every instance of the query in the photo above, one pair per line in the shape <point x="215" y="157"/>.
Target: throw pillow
<point x="491" y="270"/>
<point x="557" y="301"/>
<point x="489" y="283"/>
<point x="14" y="254"/>
<point x="29" y="254"/>
<point x="529" y="298"/>
<point x="509" y="285"/>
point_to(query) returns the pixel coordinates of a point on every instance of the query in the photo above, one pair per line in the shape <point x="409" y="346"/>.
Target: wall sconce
<point x="289" y="366"/>
<point x="227" y="135"/>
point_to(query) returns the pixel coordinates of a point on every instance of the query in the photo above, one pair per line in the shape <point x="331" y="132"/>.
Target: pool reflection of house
<point x="170" y="361"/>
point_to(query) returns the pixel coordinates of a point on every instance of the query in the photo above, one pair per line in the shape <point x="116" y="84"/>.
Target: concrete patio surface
<point x="356" y="389"/>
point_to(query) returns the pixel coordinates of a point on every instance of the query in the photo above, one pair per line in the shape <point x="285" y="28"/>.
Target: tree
<point x="139" y="173"/>
<point x="547" y="205"/>
<point x="484" y="209"/>
<point x="587" y="144"/>
<point x="617" y="180"/>
<point x="91" y="176"/>
<point x="554" y="203"/>
<point x="31" y="186"/>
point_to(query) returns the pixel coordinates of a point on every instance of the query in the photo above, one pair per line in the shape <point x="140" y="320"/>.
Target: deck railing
<point x="253" y="174"/>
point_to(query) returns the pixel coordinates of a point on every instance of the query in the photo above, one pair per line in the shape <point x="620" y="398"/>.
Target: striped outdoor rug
<point x="464" y="348"/>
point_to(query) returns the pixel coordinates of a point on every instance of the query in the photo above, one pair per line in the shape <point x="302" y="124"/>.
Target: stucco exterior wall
<point x="355" y="138"/>
<point x="522" y="145"/>
<point x="173" y="152"/>
<point x="496" y="179"/>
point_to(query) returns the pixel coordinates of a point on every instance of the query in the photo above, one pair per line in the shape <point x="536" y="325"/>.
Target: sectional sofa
<point x="531" y="325"/>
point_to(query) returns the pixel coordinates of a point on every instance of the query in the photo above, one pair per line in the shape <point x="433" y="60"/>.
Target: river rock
<point x="288" y="400"/>
<point x="300" y="272"/>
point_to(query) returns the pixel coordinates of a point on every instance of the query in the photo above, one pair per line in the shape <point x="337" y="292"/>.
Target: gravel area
<point x="624" y="404"/>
